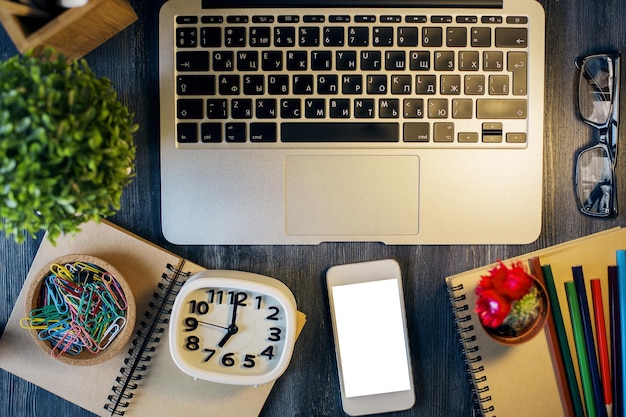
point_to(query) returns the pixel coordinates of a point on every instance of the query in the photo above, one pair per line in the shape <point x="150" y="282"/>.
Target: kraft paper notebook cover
<point x="521" y="380"/>
<point x="145" y="266"/>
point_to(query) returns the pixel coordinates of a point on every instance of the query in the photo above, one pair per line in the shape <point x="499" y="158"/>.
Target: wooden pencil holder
<point x="99" y="346"/>
<point x="73" y="32"/>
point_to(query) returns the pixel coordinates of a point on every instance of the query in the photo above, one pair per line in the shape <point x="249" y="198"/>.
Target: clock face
<point x="228" y="332"/>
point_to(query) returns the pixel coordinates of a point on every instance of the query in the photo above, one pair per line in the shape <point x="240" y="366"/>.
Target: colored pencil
<point x="601" y="341"/>
<point x="581" y="350"/>
<point x="616" y="344"/>
<point x="556" y="317"/>
<point x="585" y="315"/>
<point x="621" y="285"/>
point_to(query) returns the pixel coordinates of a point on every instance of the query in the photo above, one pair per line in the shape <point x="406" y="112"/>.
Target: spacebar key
<point x="339" y="132"/>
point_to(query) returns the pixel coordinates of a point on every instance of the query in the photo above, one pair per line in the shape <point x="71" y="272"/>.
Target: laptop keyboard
<point x="251" y="77"/>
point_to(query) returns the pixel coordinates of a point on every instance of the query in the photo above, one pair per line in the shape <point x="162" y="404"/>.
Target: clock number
<point x="274" y="334"/>
<point x="227" y="360"/>
<point x="201" y="307"/>
<point x="191" y="323"/>
<point x="237" y="298"/>
<point x="193" y="343"/>
<point x="258" y="302"/>
<point x="268" y="352"/>
<point x="274" y="315"/>
<point x="210" y="353"/>
<point x="215" y="296"/>
<point x="248" y="361"/>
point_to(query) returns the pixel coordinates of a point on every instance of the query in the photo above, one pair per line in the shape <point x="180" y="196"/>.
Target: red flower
<point x="497" y="290"/>
<point x="492" y="308"/>
<point x="512" y="283"/>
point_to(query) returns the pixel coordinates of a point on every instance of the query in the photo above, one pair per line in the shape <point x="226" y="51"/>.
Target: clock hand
<point x="211" y="324"/>
<point x="232" y="327"/>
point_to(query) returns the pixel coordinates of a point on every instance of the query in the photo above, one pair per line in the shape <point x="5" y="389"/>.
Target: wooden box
<point x="75" y="31"/>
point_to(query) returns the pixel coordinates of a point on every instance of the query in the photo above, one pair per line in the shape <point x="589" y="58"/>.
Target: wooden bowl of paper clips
<point x="80" y="310"/>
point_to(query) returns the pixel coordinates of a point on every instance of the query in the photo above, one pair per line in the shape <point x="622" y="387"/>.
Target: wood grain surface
<point x="310" y="387"/>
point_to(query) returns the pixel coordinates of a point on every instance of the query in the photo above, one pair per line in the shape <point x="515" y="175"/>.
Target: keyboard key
<point x="235" y="132"/>
<point x="511" y="37"/>
<point x="235" y="37"/>
<point x="359" y="36"/>
<point x="339" y="108"/>
<point x="241" y="108"/>
<point x="371" y="60"/>
<point x="189" y="109"/>
<point x="481" y="37"/>
<point x="501" y="108"/>
<point x="315" y="108"/>
<point x="517" y="62"/>
<point x="456" y="37"/>
<point x="334" y="36"/>
<point x="262" y="132"/>
<point x="383" y="36"/>
<point x="413" y="108"/>
<point x="216" y="108"/>
<point x="187" y="132"/>
<point x="284" y="36"/>
<point x="192" y="61"/>
<point x="211" y="37"/>
<point x="443" y="132"/>
<point x="309" y="36"/>
<point x="260" y="36"/>
<point x="266" y="108"/>
<point x="364" y="108"/>
<point x="290" y="108"/>
<point x="438" y="108"/>
<point x="432" y="36"/>
<point x="389" y="108"/>
<point x="339" y="132"/>
<point x="195" y="85"/>
<point x="211" y="132"/>
<point x="416" y="132"/>
<point x="407" y="36"/>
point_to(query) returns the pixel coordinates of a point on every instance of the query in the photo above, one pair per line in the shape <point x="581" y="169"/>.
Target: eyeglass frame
<point x="608" y="131"/>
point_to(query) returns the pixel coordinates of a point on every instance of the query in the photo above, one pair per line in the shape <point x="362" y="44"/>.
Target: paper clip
<point x="111" y="332"/>
<point x="114" y="289"/>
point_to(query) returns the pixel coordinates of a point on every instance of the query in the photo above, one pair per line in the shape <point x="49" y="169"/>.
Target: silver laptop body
<point x="439" y="142"/>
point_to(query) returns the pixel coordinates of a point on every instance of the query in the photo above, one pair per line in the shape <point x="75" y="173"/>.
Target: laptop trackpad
<point x="352" y="195"/>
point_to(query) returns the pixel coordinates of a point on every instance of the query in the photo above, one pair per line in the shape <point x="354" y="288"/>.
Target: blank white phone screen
<point x="370" y="334"/>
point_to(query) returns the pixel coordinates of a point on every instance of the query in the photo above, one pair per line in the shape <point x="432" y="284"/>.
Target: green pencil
<point x="581" y="350"/>
<point x="568" y="363"/>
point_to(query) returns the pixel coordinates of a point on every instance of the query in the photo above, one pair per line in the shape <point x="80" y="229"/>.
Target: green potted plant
<point x="66" y="148"/>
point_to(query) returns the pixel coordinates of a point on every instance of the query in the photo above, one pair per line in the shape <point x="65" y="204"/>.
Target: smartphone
<point x="371" y="339"/>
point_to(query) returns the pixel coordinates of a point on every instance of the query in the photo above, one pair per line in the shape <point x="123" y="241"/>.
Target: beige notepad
<point x="521" y="380"/>
<point x="163" y="390"/>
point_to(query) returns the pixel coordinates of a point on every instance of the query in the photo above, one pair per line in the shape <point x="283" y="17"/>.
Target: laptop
<point x="402" y="122"/>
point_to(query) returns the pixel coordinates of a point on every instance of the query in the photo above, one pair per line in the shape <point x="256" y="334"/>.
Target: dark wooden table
<point x="310" y="387"/>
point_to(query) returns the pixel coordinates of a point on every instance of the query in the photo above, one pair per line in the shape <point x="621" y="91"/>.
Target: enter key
<point x="517" y="63"/>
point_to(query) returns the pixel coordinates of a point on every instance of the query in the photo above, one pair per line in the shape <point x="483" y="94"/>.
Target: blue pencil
<point x="598" y="395"/>
<point x="621" y="286"/>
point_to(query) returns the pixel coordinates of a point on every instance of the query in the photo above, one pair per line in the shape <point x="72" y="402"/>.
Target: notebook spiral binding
<point x="471" y="353"/>
<point x="146" y="340"/>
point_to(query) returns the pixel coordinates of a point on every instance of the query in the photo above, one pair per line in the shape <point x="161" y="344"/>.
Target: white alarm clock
<point x="233" y="327"/>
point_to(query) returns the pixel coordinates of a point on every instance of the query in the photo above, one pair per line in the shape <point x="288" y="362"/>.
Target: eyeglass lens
<point x="595" y="89"/>
<point x="594" y="181"/>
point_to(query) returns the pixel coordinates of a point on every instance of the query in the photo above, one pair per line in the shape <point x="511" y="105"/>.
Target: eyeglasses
<point x="598" y="106"/>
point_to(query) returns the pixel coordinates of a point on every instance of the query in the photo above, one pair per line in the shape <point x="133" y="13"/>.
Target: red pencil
<point x="603" y="349"/>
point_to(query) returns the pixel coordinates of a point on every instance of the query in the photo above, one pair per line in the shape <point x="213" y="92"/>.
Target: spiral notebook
<point x="522" y="381"/>
<point x="137" y="380"/>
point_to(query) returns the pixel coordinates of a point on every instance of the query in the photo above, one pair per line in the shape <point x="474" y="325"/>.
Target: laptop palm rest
<point x="352" y="195"/>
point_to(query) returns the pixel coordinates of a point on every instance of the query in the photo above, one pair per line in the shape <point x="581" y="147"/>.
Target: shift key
<point x="501" y="108"/>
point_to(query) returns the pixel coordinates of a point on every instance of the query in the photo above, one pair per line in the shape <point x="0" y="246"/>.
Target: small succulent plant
<point x="66" y="148"/>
